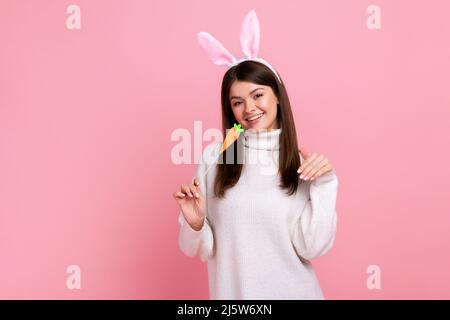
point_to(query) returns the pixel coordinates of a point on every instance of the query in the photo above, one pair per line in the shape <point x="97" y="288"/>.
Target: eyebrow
<point x="236" y="97"/>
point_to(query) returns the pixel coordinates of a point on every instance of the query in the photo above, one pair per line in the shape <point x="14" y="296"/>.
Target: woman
<point x="258" y="223"/>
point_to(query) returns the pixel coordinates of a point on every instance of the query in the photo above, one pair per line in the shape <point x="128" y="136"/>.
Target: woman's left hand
<point x="313" y="166"/>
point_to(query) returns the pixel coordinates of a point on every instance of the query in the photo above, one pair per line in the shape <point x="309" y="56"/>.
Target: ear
<point x="215" y="50"/>
<point x="250" y="33"/>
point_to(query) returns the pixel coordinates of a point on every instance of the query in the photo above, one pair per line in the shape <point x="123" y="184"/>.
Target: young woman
<point x="258" y="223"/>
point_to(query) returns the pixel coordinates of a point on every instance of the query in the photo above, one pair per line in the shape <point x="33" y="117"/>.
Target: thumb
<point x="196" y="183"/>
<point x="304" y="153"/>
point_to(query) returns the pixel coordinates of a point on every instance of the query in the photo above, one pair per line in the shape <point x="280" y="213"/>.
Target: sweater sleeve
<point x="197" y="243"/>
<point x="315" y="229"/>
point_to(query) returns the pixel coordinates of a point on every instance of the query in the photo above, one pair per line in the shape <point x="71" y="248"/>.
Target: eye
<point x="258" y="95"/>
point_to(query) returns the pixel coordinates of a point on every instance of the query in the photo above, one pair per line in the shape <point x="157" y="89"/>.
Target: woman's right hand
<point x="192" y="204"/>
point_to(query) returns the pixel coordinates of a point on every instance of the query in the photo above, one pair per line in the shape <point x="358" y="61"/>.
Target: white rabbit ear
<point x="250" y="33"/>
<point x="215" y="50"/>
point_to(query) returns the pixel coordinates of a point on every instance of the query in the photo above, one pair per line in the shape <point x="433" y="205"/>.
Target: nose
<point x="249" y="108"/>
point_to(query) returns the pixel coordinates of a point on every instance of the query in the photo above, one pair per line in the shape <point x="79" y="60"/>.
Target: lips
<point x="254" y="117"/>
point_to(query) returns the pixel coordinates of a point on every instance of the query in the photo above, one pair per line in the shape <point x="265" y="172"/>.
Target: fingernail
<point x="197" y="195"/>
<point x="312" y="178"/>
<point x="301" y="176"/>
<point x="306" y="178"/>
<point x="190" y="194"/>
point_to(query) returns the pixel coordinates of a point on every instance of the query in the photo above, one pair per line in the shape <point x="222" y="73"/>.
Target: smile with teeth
<point x="255" y="117"/>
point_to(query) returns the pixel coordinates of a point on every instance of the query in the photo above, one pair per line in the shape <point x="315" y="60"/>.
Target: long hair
<point x="229" y="172"/>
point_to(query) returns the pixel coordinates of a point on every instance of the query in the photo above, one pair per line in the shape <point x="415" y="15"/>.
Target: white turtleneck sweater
<point x="258" y="241"/>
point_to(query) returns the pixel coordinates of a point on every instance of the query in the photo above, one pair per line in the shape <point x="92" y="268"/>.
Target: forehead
<point x="243" y="88"/>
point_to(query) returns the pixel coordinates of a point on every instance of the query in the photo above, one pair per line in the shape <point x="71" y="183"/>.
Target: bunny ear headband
<point x="250" y="34"/>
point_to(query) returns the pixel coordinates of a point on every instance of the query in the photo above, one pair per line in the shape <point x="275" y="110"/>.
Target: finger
<point x="311" y="166"/>
<point x="322" y="171"/>
<point x="307" y="162"/>
<point x="315" y="170"/>
<point x="194" y="191"/>
<point x="185" y="188"/>
<point x="179" y="195"/>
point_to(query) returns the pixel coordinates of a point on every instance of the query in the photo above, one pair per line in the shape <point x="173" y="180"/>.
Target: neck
<point x="268" y="139"/>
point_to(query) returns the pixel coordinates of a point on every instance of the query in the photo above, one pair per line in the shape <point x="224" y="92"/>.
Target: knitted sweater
<point x="258" y="241"/>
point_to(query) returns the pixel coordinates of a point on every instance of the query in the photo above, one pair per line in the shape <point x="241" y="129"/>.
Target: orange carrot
<point x="231" y="137"/>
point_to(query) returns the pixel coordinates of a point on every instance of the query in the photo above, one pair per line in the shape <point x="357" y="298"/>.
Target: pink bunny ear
<point x="215" y="50"/>
<point x="250" y="34"/>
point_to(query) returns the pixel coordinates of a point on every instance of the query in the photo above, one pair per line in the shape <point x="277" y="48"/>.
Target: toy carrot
<point x="230" y="138"/>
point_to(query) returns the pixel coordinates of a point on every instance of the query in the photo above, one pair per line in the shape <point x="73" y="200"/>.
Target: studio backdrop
<point x="97" y="98"/>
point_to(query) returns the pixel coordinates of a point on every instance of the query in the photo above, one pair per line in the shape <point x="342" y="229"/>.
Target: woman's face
<point x="254" y="105"/>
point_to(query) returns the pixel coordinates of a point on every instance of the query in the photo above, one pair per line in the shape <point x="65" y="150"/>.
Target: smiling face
<point x="254" y="106"/>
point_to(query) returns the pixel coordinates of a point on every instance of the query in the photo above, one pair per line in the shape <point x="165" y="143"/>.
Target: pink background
<point x="86" y="117"/>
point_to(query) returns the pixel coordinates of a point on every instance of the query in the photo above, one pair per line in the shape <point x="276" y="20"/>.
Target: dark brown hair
<point x="229" y="172"/>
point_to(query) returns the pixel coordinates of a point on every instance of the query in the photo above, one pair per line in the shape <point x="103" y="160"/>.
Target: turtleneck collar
<point x="262" y="140"/>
